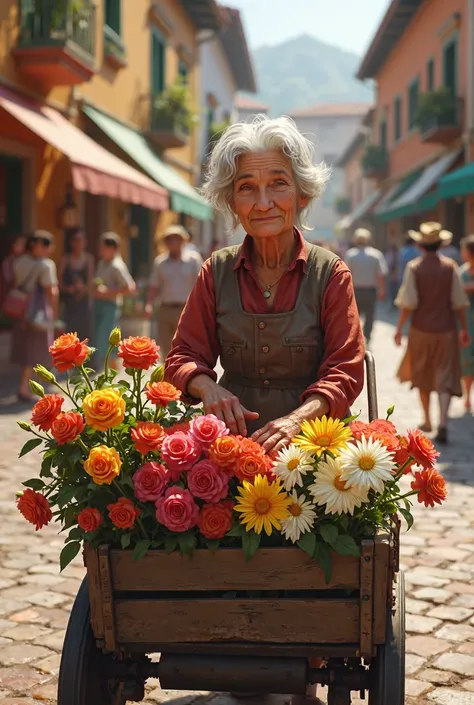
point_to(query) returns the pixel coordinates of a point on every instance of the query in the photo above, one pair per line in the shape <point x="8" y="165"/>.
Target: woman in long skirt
<point x="467" y="354"/>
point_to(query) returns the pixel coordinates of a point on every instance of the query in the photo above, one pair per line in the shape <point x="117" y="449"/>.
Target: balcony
<point x="171" y="116"/>
<point x="342" y="205"/>
<point x="56" y="44"/>
<point x="375" y="162"/>
<point x="167" y="132"/>
<point x="444" y="125"/>
<point x="114" y="49"/>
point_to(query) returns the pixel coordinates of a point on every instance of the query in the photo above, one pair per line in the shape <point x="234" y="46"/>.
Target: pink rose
<point x="180" y="451"/>
<point x="177" y="510"/>
<point x="205" y="429"/>
<point x="208" y="482"/>
<point x="150" y="481"/>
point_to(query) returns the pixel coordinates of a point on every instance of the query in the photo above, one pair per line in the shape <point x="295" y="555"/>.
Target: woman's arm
<point x="52" y="297"/>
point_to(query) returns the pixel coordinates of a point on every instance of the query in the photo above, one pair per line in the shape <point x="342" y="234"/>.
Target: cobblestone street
<point x="438" y="556"/>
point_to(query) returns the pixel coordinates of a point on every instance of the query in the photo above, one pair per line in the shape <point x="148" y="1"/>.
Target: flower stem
<point x="106" y="363"/>
<point x="408" y="494"/>
<point x="86" y="377"/>
<point x="401" y="471"/>
<point x="83" y="445"/>
<point x="67" y="394"/>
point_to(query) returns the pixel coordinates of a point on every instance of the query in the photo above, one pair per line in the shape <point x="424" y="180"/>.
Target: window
<point x="430" y="75"/>
<point x="383" y="134"/>
<point x="113" y="15"/>
<point x="397" y="118"/>
<point x="158" y="62"/>
<point x="183" y="71"/>
<point x="450" y="61"/>
<point x="413" y="94"/>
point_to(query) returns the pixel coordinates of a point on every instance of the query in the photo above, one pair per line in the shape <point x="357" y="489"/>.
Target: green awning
<point x="385" y="210"/>
<point x="457" y="183"/>
<point x="184" y="197"/>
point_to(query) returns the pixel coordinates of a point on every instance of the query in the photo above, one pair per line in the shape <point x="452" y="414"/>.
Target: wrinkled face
<point x="265" y="195"/>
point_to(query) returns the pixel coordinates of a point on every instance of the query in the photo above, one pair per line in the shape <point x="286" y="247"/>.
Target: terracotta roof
<point x="234" y="43"/>
<point x="244" y="103"/>
<point x="331" y="110"/>
<point x="204" y="14"/>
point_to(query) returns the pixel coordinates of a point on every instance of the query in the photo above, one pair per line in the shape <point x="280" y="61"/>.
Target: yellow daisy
<point x="323" y="434"/>
<point x="263" y="505"/>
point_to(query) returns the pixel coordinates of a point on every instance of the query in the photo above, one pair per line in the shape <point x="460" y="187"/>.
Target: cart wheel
<point x="388" y="683"/>
<point x="339" y="695"/>
<point x="81" y="680"/>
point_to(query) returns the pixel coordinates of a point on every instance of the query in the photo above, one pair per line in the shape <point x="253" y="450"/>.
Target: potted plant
<point x="374" y="161"/>
<point x="172" y="109"/>
<point x="436" y="108"/>
<point x="342" y="205"/>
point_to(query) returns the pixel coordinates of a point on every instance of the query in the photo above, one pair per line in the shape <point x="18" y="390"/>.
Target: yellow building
<point x="99" y="112"/>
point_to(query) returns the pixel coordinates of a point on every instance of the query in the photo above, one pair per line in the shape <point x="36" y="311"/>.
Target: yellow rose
<point x="103" y="465"/>
<point x="104" y="409"/>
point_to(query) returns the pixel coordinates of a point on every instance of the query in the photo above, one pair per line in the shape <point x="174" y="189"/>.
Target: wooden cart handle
<point x="371" y="386"/>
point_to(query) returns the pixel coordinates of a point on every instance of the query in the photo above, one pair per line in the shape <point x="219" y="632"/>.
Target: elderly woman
<point x="279" y="313"/>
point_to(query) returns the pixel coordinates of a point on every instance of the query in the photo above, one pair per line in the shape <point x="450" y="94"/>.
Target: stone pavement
<point x="438" y="556"/>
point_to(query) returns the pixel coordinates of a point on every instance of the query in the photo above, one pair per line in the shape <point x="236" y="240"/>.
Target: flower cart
<point x="163" y="499"/>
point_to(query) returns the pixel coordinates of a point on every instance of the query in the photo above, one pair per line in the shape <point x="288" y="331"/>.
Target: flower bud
<point x="44" y="374"/>
<point x="158" y="374"/>
<point x="115" y="337"/>
<point x="24" y="425"/>
<point x="36" y="388"/>
<point x="390" y="411"/>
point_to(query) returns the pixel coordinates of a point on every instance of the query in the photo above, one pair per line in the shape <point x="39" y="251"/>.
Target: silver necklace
<point x="268" y="287"/>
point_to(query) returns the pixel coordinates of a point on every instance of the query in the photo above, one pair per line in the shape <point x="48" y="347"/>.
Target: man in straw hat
<point x="172" y="278"/>
<point x="432" y="295"/>
<point x="369" y="271"/>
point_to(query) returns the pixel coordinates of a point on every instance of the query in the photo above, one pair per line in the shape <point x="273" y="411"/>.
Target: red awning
<point x="94" y="169"/>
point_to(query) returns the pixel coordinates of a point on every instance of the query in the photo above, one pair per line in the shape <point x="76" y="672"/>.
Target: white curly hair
<point x="263" y="134"/>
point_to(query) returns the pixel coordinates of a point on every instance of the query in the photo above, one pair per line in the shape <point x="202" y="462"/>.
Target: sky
<point x="348" y="24"/>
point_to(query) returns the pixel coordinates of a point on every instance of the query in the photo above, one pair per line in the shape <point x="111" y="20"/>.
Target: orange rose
<point x="46" y="410"/>
<point x="161" y="393"/>
<point x="35" y="508"/>
<point x="68" y="351"/>
<point x="215" y="520"/>
<point x="90" y="519"/>
<point x="359" y="429"/>
<point x="67" y="427"/>
<point x="103" y="465"/>
<point x="224" y="452"/>
<point x="431" y="487"/>
<point x="382" y="426"/>
<point x="251" y="461"/>
<point x="147" y="436"/>
<point x="104" y="409"/>
<point x="402" y="455"/>
<point x="139" y="352"/>
<point x="123" y="513"/>
<point x="421" y="449"/>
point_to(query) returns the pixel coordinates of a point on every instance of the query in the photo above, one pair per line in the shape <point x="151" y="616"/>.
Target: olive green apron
<point x="269" y="359"/>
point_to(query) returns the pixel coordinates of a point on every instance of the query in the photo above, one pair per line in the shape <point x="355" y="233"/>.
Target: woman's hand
<point x="222" y="403"/>
<point x="464" y="338"/>
<point x="398" y="338"/>
<point x="279" y="433"/>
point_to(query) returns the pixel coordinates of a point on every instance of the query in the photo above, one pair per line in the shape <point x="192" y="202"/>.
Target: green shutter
<point x="450" y="68"/>
<point x="383" y="134"/>
<point x="397" y="120"/>
<point x="430" y="75"/>
<point x="413" y="93"/>
<point x="113" y="15"/>
<point x="158" y="61"/>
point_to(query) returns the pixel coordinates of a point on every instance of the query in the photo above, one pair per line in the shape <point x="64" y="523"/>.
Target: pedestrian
<point x="369" y="271"/>
<point x="172" y="278"/>
<point x="76" y="274"/>
<point x="112" y="281"/>
<point x="467" y="353"/>
<point x="7" y="274"/>
<point x="35" y="274"/>
<point x="432" y="295"/>
<point x="190" y="246"/>
<point x="407" y="253"/>
<point x="451" y="251"/>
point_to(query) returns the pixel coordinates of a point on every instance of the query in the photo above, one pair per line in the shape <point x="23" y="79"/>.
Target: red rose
<point x="66" y="427"/>
<point x="208" y="482"/>
<point x="421" y="449"/>
<point x="206" y="429"/>
<point x="90" y="519"/>
<point x="359" y="429"/>
<point x="123" y="513"/>
<point x="162" y="393"/>
<point x="46" y="410"/>
<point x="431" y="487"/>
<point x="402" y="455"/>
<point x="177" y="510"/>
<point x="35" y="508"/>
<point x="215" y="520"/>
<point x="183" y="427"/>
<point x="68" y="351"/>
<point x="147" y="436"/>
<point x="150" y="481"/>
<point x="383" y="426"/>
<point x="180" y="452"/>
<point x="139" y="352"/>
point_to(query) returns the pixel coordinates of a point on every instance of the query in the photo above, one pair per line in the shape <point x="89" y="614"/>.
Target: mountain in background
<point x="304" y="71"/>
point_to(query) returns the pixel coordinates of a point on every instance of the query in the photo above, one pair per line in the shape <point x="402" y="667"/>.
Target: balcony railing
<point x="53" y="22"/>
<point x="375" y="162"/>
<point x="114" y="48"/>
<point x="168" y="131"/>
<point x="444" y="125"/>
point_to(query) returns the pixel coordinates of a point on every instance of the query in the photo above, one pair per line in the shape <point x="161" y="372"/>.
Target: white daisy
<point x="367" y="464"/>
<point x="331" y="490"/>
<point x="301" y="519"/>
<point x="291" y="464"/>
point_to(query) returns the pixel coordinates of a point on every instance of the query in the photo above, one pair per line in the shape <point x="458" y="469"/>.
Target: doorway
<point x="455" y="218"/>
<point x="140" y="246"/>
<point x="11" y="201"/>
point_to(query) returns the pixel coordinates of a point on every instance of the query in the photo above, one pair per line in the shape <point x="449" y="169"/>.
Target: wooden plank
<point x="382" y="587"/>
<point x="107" y="599"/>
<point x="91" y="561"/>
<point x="276" y="621"/>
<point x="227" y="569"/>
<point x="324" y="651"/>
<point x="366" y="598"/>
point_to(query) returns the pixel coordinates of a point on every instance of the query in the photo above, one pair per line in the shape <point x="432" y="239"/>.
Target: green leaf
<point x="171" y="544"/>
<point x="350" y="419"/>
<point x="29" y="446"/>
<point x="34" y="484"/>
<point x="186" y="543"/>
<point x="125" y="540"/>
<point x="307" y="543"/>
<point x="126" y="480"/>
<point x="323" y="557"/>
<point x="212" y="545"/>
<point x="329" y="533"/>
<point x="250" y="543"/>
<point x="237" y="530"/>
<point x="141" y="549"/>
<point x="65" y="495"/>
<point x="76" y="534"/>
<point x="68" y="553"/>
<point x="46" y="466"/>
<point x="346" y="546"/>
<point x="407" y="515"/>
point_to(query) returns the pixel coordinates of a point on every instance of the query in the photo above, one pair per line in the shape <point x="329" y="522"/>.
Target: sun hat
<point x="362" y="235"/>
<point x="431" y="233"/>
<point x="176" y="230"/>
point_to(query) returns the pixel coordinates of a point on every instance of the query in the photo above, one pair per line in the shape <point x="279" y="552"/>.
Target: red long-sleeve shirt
<point x="196" y="347"/>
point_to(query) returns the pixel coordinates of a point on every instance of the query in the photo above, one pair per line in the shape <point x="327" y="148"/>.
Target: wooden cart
<point x="223" y="624"/>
